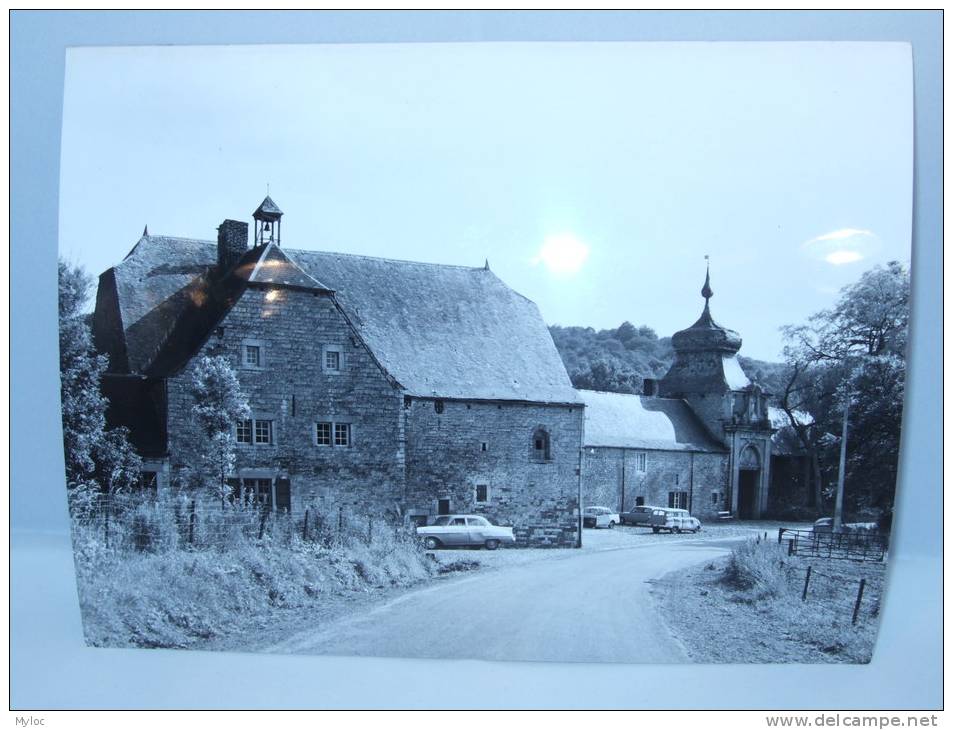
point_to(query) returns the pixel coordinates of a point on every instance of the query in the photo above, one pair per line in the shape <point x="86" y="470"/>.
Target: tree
<point x="97" y="459"/>
<point x="219" y="405"/>
<point x="855" y="350"/>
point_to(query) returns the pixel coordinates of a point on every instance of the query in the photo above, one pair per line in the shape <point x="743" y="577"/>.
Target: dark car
<point x="640" y="516"/>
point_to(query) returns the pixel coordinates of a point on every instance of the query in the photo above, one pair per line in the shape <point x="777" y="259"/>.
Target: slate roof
<point x="274" y="267"/>
<point x="644" y="422"/>
<point x="440" y="331"/>
<point x="268" y="210"/>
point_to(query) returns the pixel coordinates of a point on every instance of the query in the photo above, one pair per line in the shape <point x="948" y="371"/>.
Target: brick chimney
<point x="232" y="243"/>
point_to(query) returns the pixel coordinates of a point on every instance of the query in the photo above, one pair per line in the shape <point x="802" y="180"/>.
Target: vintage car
<point x="465" y="531"/>
<point x="599" y="517"/>
<point x="674" y="520"/>
<point x="639" y="516"/>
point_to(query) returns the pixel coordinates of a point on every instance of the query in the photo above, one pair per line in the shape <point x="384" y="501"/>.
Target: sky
<point x="594" y="177"/>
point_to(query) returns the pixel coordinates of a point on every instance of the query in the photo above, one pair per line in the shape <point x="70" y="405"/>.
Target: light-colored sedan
<point x="465" y="530"/>
<point x="600" y="517"/>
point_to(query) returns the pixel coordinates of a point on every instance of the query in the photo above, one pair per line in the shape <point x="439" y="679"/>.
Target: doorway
<point x="443" y="506"/>
<point x="748" y="493"/>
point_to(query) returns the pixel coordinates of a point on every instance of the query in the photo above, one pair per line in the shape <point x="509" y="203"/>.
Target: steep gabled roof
<point x="644" y="422"/>
<point x="446" y="331"/>
<point x="440" y="331"/>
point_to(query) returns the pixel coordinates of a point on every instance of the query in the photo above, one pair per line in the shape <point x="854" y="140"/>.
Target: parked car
<point x="599" y="517"/>
<point x="640" y="516"/>
<point x="825" y="524"/>
<point x="465" y="530"/>
<point x="674" y="520"/>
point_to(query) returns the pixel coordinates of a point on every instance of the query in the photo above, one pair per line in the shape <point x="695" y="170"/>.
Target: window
<point x="458" y="522"/>
<point x="342" y="434"/>
<point x="483" y="446"/>
<point x="714" y="497"/>
<point x="333" y="433"/>
<point x="438" y="406"/>
<point x="243" y="432"/>
<point x="640" y="462"/>
<point x="676" y="480"/>
<point x="263" y="432"/>
<point x="332" y="358"/>
<point x="255" y="430"/>
<point x="678" y="500"/>
<point x="541" y="445"/>
<point x="482" y="493"/>
<point x="252" y="354"/>
<point x="639" y="501"/>
<point x="251" y="491"/>
<point x="477" y="522"/>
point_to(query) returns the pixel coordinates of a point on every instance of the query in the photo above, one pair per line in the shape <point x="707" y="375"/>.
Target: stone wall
<point x="454" y="447"/>
<point x="293" y="389"/>
<point x="702" y="475"/>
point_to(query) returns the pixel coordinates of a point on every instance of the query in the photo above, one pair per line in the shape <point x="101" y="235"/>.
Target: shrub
<point x="153" y="587"/>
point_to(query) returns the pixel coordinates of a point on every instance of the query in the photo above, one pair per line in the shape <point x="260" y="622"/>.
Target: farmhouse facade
<point x="392" y="387"/>
<point x="376" y="386"/>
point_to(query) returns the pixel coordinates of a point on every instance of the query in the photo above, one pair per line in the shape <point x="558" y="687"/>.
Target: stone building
<point x="702" y="438"/>
<point x="375" y="385"/>
<point x="407" y="389"/>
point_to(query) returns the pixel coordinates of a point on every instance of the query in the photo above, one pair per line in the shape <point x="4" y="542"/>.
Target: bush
<point x="758" y="569"/>
<point x="152" y="586"/>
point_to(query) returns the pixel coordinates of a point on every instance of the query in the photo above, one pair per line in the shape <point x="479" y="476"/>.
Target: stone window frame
<point x="677" y="496"/>
<point x="641" y="461"/>
<point x="325" y="351"/>
<point x="262" y="349"/>
<point x="542" y="455"/>
<point x="252" y="430"/>
<point x="333" y="422"/>
<point x="476" y="493"/>
<point x="714" y="498"/>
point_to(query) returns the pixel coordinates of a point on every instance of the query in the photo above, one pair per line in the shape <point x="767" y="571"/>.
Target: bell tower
<point x="267" y="223"/>
<point x="705" y="373"/>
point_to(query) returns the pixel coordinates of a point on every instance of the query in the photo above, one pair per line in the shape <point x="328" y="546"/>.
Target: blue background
<point x="50" y="666"/>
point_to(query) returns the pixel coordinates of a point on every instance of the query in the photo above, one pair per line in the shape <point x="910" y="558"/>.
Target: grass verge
<point x="748" y="607"/>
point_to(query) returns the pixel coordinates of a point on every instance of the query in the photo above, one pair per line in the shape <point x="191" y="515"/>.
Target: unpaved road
<point x="584" y="607"/>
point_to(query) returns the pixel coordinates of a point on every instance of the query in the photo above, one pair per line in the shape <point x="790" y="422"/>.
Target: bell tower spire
<point x="267" y="223"/>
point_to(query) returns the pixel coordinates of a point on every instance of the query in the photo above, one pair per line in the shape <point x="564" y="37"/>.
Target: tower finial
<point x="706" y="290"/>
<point x="145" y="231"/>
<point x="486" y="264"/>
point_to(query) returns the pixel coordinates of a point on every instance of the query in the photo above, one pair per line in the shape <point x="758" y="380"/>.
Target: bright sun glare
<point x="562" y="253"/>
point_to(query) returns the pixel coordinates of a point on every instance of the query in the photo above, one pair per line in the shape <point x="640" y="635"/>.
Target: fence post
<point x="792" y="547"/>
<point x="860" y="595"/>
<point x="304" y="531"/>
<point x="807" y="579"/>
<point x="192" y="523"/>
<point x="370" y="526"/>
<point x="340" y="521"/>
<point x="780" y="532"/>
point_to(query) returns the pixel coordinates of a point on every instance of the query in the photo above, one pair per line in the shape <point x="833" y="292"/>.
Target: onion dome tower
<point x="705" y="362"/>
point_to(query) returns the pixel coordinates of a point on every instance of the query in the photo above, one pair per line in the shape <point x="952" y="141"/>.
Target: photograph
<point x="553" y="351"/>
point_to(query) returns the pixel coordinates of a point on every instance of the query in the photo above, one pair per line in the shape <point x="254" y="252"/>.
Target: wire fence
<point x="856" y="586"/>
<point x="862" y="546"/>
<point x="143" y="523"/>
